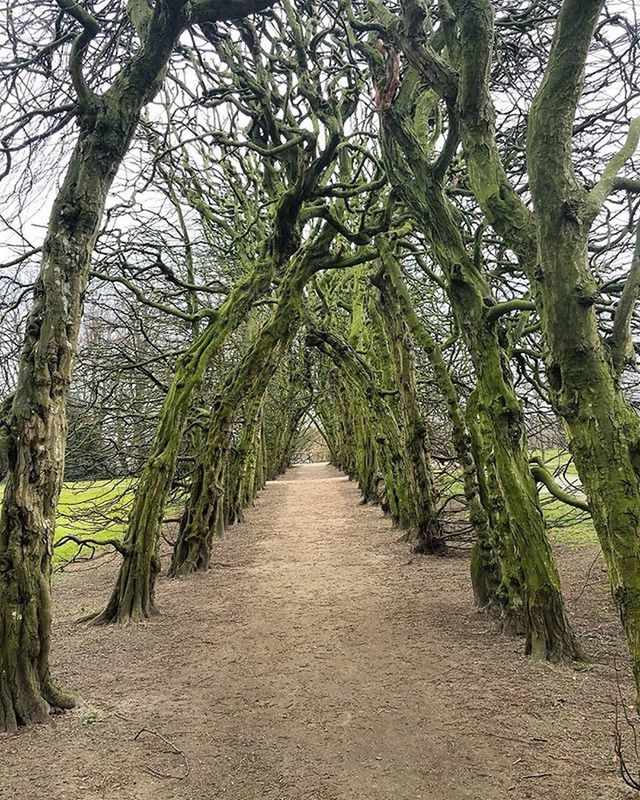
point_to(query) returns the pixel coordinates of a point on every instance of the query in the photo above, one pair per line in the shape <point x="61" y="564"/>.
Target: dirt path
<point x="319" y="660"/>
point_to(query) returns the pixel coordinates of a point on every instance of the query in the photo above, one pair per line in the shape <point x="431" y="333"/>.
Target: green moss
<point x="565" y="525"/>
<point x="558" y="461"/>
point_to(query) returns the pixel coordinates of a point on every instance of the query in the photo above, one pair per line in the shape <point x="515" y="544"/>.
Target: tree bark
<point x="241" y="481"/>
<point x="381" y="420"/>
<point x="205" y="505"/>
<point x="36" y="426"/>
<point x="529" y="595"/>
<point x="485" y="577"/>
<point x="551" y="242"/>
<point x="426" y="523"/>
<point x="132" y="598"/>
<point x="603" y="431"/>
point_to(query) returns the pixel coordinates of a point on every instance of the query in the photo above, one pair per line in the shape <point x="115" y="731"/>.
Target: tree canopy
<point x="406" y="229"/>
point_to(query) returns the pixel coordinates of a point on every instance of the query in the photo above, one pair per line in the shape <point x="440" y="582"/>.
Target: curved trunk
<point x="381" y="420"/>
<point x="261" y="461"/>
<point x="132" y="597"/>
<point x="529" y="594"/>
<point x="204" y="508"/>
<point x="603" y="431"/>
<point x="426" y="523"/>
<point x="203" y="521"/>
<point x="244" y="483"/>
<point x="488" y="573"/>
<point x="240" y="478"/>
<point x="143" y="531"/>
<point x="205" y="513"/>
<point x="338" y="413"/>
<point x="485" y="577"/>
<point x="36" y="428"/>
<point x="234" y="502"/>
<point x="366" y="461"/>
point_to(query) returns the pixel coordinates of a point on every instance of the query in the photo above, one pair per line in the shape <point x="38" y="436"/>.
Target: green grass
<point x="565" y="525"/>
<point x="99" y="509"/>
<point x="96" y="509"/>
<point x="558" y="460"/>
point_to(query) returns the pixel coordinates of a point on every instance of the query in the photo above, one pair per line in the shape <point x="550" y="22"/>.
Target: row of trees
<point x="367" y="217"/>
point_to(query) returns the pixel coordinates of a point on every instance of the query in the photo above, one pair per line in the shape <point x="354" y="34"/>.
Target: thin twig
<point x="156" y="773"/>
<point x="536" y="775"/>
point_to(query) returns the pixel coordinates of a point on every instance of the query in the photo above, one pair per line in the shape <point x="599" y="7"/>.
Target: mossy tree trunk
<point x="249" y="378"/>
<point x="552" y="246"/>
<point x="133" y="594"/>
<point x="359" y="453"/>
<point x="485" y="572"/>
<point x="132" y="598"/>
<point x="285" y="416"/>
<point x="381" y="420"/>
<point x="36" y="427"/>
<point x="261" y="460"/>
<point x="349" y="433"/>
<point x="240" y="483"/>
<point x="205" y="513"/>
<point x="603" y="431"/>
<point x="399" y="495"/>
<point x="366" y="466"/>
<point x="529" y="594"/>
<point x="346" y="435"/>
<point x="426" y="523"/>
<point x="253" y="478"/>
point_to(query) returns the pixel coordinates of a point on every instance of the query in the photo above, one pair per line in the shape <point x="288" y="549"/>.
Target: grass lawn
<point x="572" y="528"/>
<point x="566" y="525"/>
<point x="558" y="461"/>
<point x="97" y="509"/>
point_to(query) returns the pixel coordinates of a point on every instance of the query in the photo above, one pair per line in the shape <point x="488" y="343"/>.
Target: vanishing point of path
<point x="318" y="660"/>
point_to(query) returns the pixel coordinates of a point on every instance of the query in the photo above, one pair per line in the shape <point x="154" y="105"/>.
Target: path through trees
<point x="320" y="659"/>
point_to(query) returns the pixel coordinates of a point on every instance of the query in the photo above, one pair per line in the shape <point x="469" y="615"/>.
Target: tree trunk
<point x="242" y="483"/>
<point x="366" y="461"/>
<point x="529" y="594"/>
<point x="485" y="577"/>
<point x="36" y="428"/>
<point x="426" y="523"/>
<point x="381" y="420"/>
<point x="205" y="508"/>
<point x="202" y="521"/>
<point x="251" y="376"/>
<point x="603" y="431"/>
<point x="132" y="598"/>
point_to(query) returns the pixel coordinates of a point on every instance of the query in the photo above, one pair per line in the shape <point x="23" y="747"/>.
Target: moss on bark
<point x="529" y="594"/>
<point x="36" y="428"/>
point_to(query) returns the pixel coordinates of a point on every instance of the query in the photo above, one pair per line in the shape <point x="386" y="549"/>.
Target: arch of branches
<point x="407" y="228"/>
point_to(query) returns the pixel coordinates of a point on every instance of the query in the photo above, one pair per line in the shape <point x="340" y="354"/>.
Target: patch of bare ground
<point x="319" y="660"/>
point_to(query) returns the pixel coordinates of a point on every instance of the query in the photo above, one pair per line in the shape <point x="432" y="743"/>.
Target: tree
<point x="35" y="426"/>
<point x="307" y="164"/>
<point x="551" y="242"/>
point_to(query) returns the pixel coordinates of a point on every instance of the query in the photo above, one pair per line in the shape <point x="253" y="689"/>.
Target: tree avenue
<point x="408" y="231"/>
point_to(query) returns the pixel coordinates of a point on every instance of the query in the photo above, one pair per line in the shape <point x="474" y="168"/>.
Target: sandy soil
<point x="320" y="660"/>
